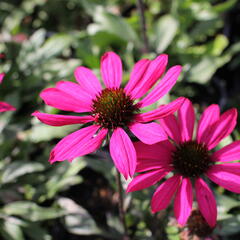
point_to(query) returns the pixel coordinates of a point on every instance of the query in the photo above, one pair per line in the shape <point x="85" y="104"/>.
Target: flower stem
<point x="140" y="7"/>
<point x="121" y="205"/>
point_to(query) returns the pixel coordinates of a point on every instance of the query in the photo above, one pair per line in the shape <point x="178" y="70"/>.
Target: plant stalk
<point x="140" y="7"/>
<point x="121" y="206"/>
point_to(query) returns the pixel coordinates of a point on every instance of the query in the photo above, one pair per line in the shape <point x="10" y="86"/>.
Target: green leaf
<point x="114" y="24"/>
<point x="78" y="220"/>
<point x="41" y="132"/>
<point x="55" y="45"/>
<point x="10" y="230"/>
<point x="37" y="39"/>
<point x="226" y="203"/>
<point x="20" y="168"/>
<point x="35" y="232"/>
<point x="165" y="30"/>
<point x="229" y="226"/>
<point x="202" y="71"/>
<point x="63" y="176"/>
<point x="224" y="6"/>
<point x="218" y="45"/>
<point x="31" y="211"/>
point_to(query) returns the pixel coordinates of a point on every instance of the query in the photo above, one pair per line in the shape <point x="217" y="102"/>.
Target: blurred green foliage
<point x="41" y="42"/>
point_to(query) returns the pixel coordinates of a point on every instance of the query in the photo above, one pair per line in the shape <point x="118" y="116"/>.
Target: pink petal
<point x="183" y="201"/>
<point x="227" y="167"/>
<point x="206" y="202"/>
<point x="88" y="81"/>
<point x="226" y="179"/>
<point x="163" y="86"/>
<point x="154" y="71"/>
<point x="186" y="120"/>
<point x="154" y="151"/>
<point x="170" y="125"/>
<point x="164" y="193"/>
<point x="228" y="153"/>
<point x="78" y="143"/>
<point x="154" y="156"/>
<point x="147" y="164"/>
<point x="222" y="128"/>
<point x="76" y="91"/>
<point x="123" y="152"/>
<point x="4" y="107"/>
<point x="148" y="133"/>
<point x="146" y="180"/>
<point x="161" y="112"/>
<point x="136" y="76"/>
<point x="111" y="70"/>
<point x="62" y="100"/>
<point x="2" y="75"/>
<point x="61" y="120"/>
<point x="208" y="118"/>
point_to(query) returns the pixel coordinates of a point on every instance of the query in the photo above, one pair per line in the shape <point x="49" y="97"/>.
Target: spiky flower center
<point x="113" y="108"/>
<point x="191" y="159"/>
<point x="197" y="225"/>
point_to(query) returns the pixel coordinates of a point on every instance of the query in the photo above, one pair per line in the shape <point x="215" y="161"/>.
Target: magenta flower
<point x="4" y="107"/>
<point x="111" y="110"/>
<point x="190" y="159"/>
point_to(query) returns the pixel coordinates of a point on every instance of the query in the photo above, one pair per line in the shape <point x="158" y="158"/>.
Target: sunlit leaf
<point x="78" y="220"/>
<point x="116" y="25"/>
<point x="165" y="31"/>
<point x="20" y="168"/>
<point x="31" y="211"/>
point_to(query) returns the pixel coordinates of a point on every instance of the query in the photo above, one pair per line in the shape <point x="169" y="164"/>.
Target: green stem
<point x="140" y="7"/>
<point x="121" y="206"/>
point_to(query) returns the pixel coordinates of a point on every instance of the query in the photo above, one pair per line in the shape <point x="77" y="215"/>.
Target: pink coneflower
<point x="4" y="107"/>
<point x="111" y="110"/>
<point x="190" y="160"/>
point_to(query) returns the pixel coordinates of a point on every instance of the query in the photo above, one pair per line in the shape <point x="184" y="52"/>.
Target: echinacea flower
<point x="111" y="110"/>
<point x="190" y="159"/>
<point x="4" y="107"/>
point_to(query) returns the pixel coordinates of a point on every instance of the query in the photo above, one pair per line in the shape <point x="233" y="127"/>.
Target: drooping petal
<point x="154" y="71"/>
<point x="225" y="179"/>
<point x="171" y="127"/>
<point x="161" y="112"/>
<point x="206" y="202"/>
<point x="136" y="76"/>
<point x="78" y="143"/>
<point x="163" y="87"/>
<point x="148" y="133"/>
<point x="76" y="91"/>
<point x="111" y="70"/>
<point x="2" y="75"/>
<point x="146" y="180"/>
<point x="61" y="120"/>
<point x="228" y="153"/>
<point x="153" y="156"/>
<point x="222" y="128"/>
<point x="209" y="117"/>
<point x="56" y="98"/>
<point x="4" y="107"/>
<point x="87" y="80"/>
<point x="186" y="120"/>
<point x="183" y="201"/>
<point x="123" y="152"/>
<point x="164" y="193"/>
